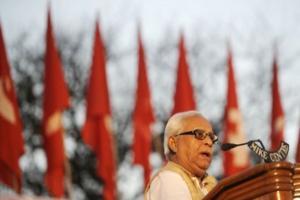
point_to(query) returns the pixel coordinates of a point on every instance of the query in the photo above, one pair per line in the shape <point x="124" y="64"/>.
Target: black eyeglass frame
<point x="201" y="135"/>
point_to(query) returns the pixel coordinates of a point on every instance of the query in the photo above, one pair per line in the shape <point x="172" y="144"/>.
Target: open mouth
<point x="206" y="154"/>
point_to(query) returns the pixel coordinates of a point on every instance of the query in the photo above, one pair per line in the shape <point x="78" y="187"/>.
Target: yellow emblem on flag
<point x="6" y="106"/>
<point x="54" y="123"/>
<point x="237" y="136"/>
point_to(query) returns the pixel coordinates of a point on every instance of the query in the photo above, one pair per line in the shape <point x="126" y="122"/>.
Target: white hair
<point x="174" y="127"/>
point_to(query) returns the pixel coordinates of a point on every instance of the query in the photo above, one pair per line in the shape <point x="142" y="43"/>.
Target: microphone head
<point x="227" y="146"/>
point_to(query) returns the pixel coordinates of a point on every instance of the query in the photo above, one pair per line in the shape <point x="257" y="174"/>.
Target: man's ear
<point x="172" y="144"/>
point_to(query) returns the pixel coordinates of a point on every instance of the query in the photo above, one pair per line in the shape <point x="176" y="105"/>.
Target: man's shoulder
<point x="168" y="175"/>
<point x="167" y="184"/>
<point x="168" y="178"/>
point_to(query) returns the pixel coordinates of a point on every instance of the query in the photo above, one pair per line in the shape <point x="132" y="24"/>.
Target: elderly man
<point x="188" y="146"/>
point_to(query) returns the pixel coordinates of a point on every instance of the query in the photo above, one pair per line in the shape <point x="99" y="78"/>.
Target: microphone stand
<point x="261" y="151"/>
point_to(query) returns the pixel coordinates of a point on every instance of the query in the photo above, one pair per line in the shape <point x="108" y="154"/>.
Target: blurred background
<point x="253" y="29"/>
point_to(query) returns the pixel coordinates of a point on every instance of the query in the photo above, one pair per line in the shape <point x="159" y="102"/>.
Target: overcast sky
<point x="18" y="15"/>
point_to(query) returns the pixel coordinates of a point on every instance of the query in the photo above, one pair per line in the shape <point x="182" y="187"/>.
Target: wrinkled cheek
<point x="192" y="157"/>
<point x="203" y="162"/>
<point x="195" y="159"/>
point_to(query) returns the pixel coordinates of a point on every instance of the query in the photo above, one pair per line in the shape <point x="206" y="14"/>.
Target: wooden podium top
<point x="264" y="182"/>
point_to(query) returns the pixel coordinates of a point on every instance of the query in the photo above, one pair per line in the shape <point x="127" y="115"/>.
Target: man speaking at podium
<point x="188" y="147"/>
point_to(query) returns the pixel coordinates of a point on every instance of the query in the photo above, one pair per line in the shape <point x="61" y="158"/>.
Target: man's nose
<point x="207" y="141"/>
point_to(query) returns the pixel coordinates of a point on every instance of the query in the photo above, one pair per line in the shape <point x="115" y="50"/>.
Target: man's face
<point x="193" y="154"/>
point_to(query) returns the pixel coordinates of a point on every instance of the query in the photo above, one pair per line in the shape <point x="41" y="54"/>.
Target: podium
<point x="269" y="181"/>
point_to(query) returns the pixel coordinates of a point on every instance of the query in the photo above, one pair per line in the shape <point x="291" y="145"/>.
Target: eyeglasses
<point x="201" y="135"/>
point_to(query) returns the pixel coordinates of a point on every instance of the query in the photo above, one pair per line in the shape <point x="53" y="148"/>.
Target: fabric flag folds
<point x="236" y="159"/>
<point x="56" y="99"/>
<point x="277" y="118"/>
<point x="11" y="139"/>
<point x="97" y="130"/>
<point x="184" y="94"/>
<point x="143" y="116"/>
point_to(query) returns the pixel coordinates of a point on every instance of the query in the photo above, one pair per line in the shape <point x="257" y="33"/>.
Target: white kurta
<point x="169" y="185"/>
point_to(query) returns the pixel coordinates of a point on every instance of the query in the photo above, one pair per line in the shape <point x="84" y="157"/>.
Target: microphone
<point x="261" y="151"/>
<point x="228" y="146"/>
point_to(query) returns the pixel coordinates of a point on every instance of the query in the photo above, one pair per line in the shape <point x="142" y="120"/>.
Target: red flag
<point x="277" y="121"/>
<point x="143" y="116"/>
<point x="237" y="159"/>
<point x="184" y="95"/>
<point x="56" y="99"/>
<point x="97" y="129"/>
<point x="11" y="139"/>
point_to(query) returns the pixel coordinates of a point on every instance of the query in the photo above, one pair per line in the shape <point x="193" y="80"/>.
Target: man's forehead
<point x="196" y="122"/>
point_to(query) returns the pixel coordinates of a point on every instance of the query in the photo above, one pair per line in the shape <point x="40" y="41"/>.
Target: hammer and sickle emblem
<point x="6" y="106"/>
